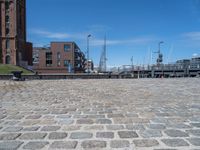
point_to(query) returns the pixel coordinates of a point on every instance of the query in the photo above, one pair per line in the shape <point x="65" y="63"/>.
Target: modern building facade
<point x="13" y="46"/>
<point x="60" y="57"/>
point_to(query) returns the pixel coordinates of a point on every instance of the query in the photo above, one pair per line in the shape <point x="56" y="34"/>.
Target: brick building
<point x="60" y="57"/>
<point x="13" y="46"/>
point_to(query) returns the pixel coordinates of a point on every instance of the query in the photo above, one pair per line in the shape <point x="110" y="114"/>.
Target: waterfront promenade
<point x="126" y="114"/>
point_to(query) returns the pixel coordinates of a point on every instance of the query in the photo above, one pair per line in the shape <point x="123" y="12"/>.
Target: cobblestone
<point x="81" y="135"/>
<point x="127" y="134"/>
<point x="10" y="145"/>
<point x="100" y="114"/>
<point x="64" y="145"/>
<point x="33" y="135"/>
<point x="57" y="135"/>
<point x="175" y="142"/>
<point x="109" y="135"/>
<point x="119" y="144"/>
<point x="145" y="143"/>
<point x="35" y="145"/>
<point x="93" y="144"/>
<point x="9" y="136"/>
<point x="194" y="141"/>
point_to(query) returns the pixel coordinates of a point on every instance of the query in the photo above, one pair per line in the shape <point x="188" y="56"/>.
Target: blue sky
<point x="132" y="27"/>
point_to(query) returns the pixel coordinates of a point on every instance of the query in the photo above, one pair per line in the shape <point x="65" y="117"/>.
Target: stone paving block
<point x="64" y="145"/>
<point x="127" y="134"/>
<point x="66" y="121"/>
<point x="93" y="144"/>
<point x="156" y="126"/>
<point x="95" y="116"/>
<point x="50" y="128"/>
<point x="57" y="135"/>
<point x="176" y="133"/>
<point x="103" y="121"/>
<point x="194" y="141"/>
<point x="179" y="126"/>
<point x="109" y="135"/>
<point x="146" y="143"/>
<point x="135" y="127"/>
<point x="10" y="145"/>
<point x="33" y="117"/>
<point x="197" y="125"/>
<point x="9" y="136"/>
<point x="115" y="115"/>
<point x="34" y="145"/>
<point x="12" y="129"/>
<point x="94" y="127"/>
<point x="71" y="128"/>
<point x="85" y="121"/>
<point x="81" y="135"/>
<point x="175" y="142"/>
<point x="32" y="136"/>
<point x="114" y="127"/>
<point x="31" y="128"/>
<point x="150" y="133"/>
<point x="119" y="144"/>
<point x="2" y="116"/>
<point x="195" y="132"/>
<point x="17" y="117"/>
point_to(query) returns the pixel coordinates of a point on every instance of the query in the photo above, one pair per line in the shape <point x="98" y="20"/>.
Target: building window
<point x="7" y="44"/>
<point x="7" y="31"/>
<point x="66" y="63"/>
<point x="67" y="48"/>
<point x="48" y="59"/>
<point x="7" y="19"/>
<point x="7" y="5"/>
<point x="58" y="55"/>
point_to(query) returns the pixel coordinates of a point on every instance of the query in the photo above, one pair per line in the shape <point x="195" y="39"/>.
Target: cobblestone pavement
<point x="132" y="114"/>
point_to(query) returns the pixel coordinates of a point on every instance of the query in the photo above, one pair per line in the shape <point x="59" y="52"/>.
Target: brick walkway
<point x="100" y="114"/>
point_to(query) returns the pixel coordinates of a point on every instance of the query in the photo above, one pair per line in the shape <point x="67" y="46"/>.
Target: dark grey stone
<point x="194" y="141"/>
<point x="57" y="135"/>
<point x="50" y="128"/>
<point x="119" y="144"/>
<point x="93" y="144"/>
<point x="85" y="121"/>
<point x="34" y="145"/>
<point x="176" y="133"/>
<point x="64" y="145"/>
<point x="145" y="143"/>
<point x="103" y="121"/>
<point x="81" y="135"/>
<point x="109" y="135"/>
<point x="10" y="145"/>
<point x="9" y="136"/>
<point x="151" y="133"/>
<point x="127" y="134"/>
<point x="13" y="129"/>
<point x="175" y="142"/>
<point x="32" y="136"/>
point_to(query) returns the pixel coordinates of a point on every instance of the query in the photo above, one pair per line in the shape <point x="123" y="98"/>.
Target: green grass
<point x="7" y="69"/>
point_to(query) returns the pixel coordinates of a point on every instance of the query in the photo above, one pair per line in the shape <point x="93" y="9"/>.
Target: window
<point x="7" y="31"/>
<point x="58" y="55"/>
<point x="48" y="59"/>
<point x="7" y="19"/>
<point x="7" y="5"/>
<point x="66" y="63"/>
<point x="7" y="44"/>
<point x="67" y="48"/>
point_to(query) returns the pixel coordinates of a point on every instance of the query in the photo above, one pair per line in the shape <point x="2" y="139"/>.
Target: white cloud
<point x="136" y="40"/>
<point x="195" y="36"/>
<point x="57" y="35"/>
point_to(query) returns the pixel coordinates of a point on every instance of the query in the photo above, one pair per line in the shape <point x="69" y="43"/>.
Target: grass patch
<point x="7" y="69"/>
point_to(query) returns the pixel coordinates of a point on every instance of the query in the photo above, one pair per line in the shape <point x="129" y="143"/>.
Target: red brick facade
<point x="61" y="57"/>
<point x="13" y="46"/>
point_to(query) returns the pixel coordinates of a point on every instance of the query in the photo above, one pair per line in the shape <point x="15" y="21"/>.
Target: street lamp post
<point x="88" y="37"/>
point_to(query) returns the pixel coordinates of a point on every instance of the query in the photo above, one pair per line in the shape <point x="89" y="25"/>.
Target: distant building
<point x="13" y="46"/>
<point x="60" y="57"/>
<point x="195" y="63"/>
